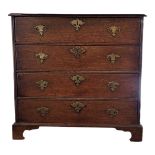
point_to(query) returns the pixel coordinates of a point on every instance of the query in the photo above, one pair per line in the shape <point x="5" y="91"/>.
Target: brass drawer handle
<point x="112" y="57"/>
<point x="113" y="85"/>
<point x="42" y="84"/>
<point x="77" y="79"/>
<point x="77" y="23"/>
<point x="43" y="111"/>
<point x="40" y="29"/>
<point x="77" y="106"/>
<point x="77" y="51"/>
<point x="112" y="112"/>
<point x="113" y="30"/>
<point x="41" y="57"/>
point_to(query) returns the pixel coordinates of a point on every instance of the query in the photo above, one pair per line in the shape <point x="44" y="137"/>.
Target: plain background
<point x="92" y="141"/>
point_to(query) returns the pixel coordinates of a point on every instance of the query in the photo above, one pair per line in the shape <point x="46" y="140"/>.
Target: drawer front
<point x="77" y="85"/>
<point x="77" y="30"/>
<point x="77" y="112"/>
<point x="49" y="58"/>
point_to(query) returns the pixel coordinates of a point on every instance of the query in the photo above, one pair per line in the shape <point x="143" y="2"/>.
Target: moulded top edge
<point x="79" y="15"/>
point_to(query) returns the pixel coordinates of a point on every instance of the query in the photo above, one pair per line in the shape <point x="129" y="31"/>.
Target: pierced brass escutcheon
<point x="78" y="106"/>
<point x="41" y="57"/>
<point x="43" y="111"/>
<point x="113" y="85"/>
<point x="42" y="84"/>
<point x="77" y="23"/>
<point x="77" y="51"/>
<point x="40" y="29"/>
<point x="113" y="57"/>
<point x="77" y="79"/>
<point x="114" y="30"/>
<point x="112" y="112"/>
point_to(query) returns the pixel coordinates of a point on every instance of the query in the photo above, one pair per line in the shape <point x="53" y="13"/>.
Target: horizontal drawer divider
<point x="78" y="71"/>
<point x="67" y="98"/>
<point x="77" y="44"/>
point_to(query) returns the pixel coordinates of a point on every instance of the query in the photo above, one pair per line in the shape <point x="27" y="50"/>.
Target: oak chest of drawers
<point x="77" y="70"/>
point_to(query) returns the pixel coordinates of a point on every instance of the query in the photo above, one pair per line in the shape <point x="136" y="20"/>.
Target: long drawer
<point x="77" y="112"/>
<point x="49" y="58"/>
<point x="77" y="84"/>
<point x="77" y="30"/>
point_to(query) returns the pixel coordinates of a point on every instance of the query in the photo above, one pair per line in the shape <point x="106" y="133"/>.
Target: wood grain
<point x="61" y="85"/>
<point x="59" y="37"/>
<point x="62" y="112"/>
<point x="60" y="30"/>
<point x="94" y="58"/>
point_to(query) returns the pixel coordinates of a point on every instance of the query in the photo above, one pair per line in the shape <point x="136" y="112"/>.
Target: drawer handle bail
<point x="40" y="29"/>
<point x="41" y="57"/>
<point x="112" y="112"/>
<point x="43" y="111"/>
<point x="113" y="85"/>
<point x="77" y="106"/>
<point x="42" y="84"/>
<point x="113" y="57"/>
<point x="77" y="79"/>
<point x="114" y="30"/>
<point x="77" y="23"/>
<point x="77" y="51"/>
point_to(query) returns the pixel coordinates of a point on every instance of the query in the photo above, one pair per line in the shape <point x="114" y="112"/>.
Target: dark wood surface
<point x="95" y="30"/>
<point x="136" y="130"/>
<point x="59" y="37"/>
<point x="94" y="112"/>
<point x="61" y="85"/>
<point x="94" y="58"/>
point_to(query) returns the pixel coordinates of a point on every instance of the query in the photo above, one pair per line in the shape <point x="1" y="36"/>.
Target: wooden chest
<point x="77" y="70"/>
